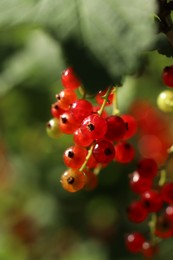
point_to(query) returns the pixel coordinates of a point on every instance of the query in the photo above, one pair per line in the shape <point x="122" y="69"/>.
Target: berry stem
<point x="162" y="179"/>
<point x="98" y="169"/>
<point x="152" y="225"/>
<point x="115" y="110"/>
<point x="163" y="172"/>
<point x="87" y="158"/>
<point x="105" y="97"/>
<point x="83" y="92"/>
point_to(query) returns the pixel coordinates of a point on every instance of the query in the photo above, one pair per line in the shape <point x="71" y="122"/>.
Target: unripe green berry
<point x="165" y="101"/>
<point x="52" y="128"/>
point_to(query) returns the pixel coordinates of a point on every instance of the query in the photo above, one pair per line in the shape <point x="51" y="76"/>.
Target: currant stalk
<point x="115" y="110"/>
<point x="99" y="112"/>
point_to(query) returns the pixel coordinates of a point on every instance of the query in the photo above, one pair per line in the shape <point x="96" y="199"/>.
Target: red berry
<point x="152" y="200"/>
<point x="103" y="151"/>
<point x="167" y="192"/>
<point x="72" y="180"/>
<point x="65" y="98"/>
<point x="74" y="156"/>
<point x="91" y="180"/>
<point x="116" y="128"/>
<point x="134" y="242"/>
<point x="139" y="184"/>
<point x="131" y="126"/>
<point x="164" y="228"/>
<point x="167" y="76"/>
<point x="136" y="212"/>
<point x="81" y="139"/>
<point x="66" y="123"/>
<point x="69" y="79"/>
<point x="149" y="250"/>
<point x="147" y="168"/>
<point x="99" y="97"/>
<point x="124" y="152"/>
<point x="169" y="213"/>
<point x="80" y="109"/>
<point x="56" y="111"/>
<point x="94" y="126"/>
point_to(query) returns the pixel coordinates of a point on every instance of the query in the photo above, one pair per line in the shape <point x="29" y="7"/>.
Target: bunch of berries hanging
<point x="99" y="138"/>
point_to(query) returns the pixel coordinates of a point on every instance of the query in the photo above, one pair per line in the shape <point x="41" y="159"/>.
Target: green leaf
<point x="163" y="46"/>
<point x="102" y="40"/>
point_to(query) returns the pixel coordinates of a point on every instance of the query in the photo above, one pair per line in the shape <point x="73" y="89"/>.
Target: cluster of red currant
<point x="155" y="200"/>
<point x="152" y="183"/>
<point x="99" y="138"/>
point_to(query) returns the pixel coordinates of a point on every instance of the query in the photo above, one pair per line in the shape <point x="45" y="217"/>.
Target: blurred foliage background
<point x="39" y="220"/>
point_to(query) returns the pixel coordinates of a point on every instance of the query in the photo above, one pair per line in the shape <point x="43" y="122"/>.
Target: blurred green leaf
<point x="102" y="40"/>
<point x="163" y="46"/>
<point x="38" y="60"/>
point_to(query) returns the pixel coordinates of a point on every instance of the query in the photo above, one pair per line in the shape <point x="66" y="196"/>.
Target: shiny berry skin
<point x="80" y="109"/>
<point x="147" y="168"/>
<point x="103" y="151"/>
<point x="94" y="126"/>
<point x="134" y="242"/>
<point x="165" y="101"/>
<point x="167" y="76"/>
<point x="167" y="192"/>
<point x="81" y="139"/>
<point x="136" y="212"/>
<point x="91" y="180"/>
<point x="116" y="128"/>
<point x="124" y="152"/>
<point x="74" y="156"/>
<point x="99" y="97"/>
<point x="131" y="126"/>
<point x="72" y="180"/>
<point x="67" y="124"/>
<point x="69" y="79"/>
<point x="139" y="184"/>
<point x="65" y="98"/>
<point x="53" y="129"/>
<point x="169" y="213"/>
<point x="149" y="250"/>
<point x="164" y="228"/>
<point x="152" y="200"/>
<point x="56" y="111"/>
